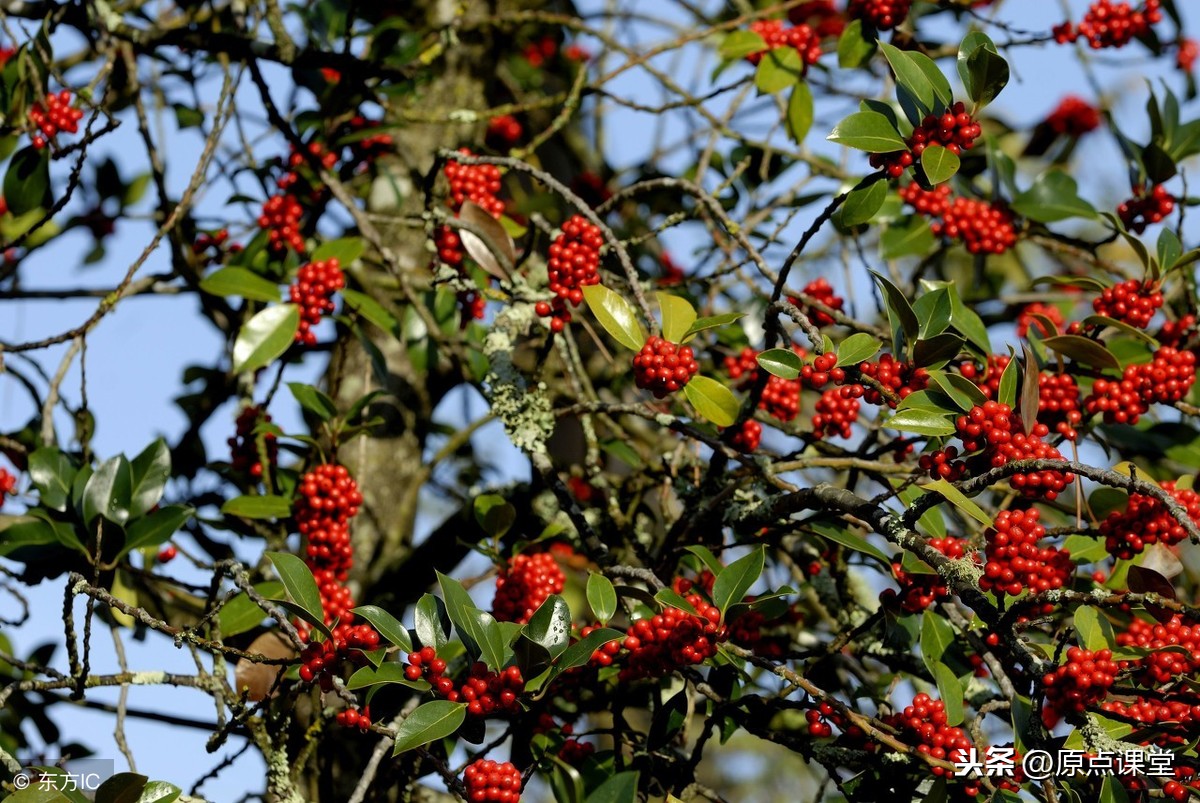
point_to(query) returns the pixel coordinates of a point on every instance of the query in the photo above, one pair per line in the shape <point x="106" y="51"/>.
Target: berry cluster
<point x="801" y="37"/>
<point x="1162" y="665"/>
<point x="1164" y="380"/>
<point x="659" y="644"/>
<point x="902" y="378"/>
<point x="894" y="163"/>
<point x="823" y="16"/>
<point x="1110" y="25"/>
<point x="300" y="169"/>
<point x="1082" y="681"/>
<point x="1014" y="561"/>
<point x="214" y="242"/>
<point x="8" y="484"/>
<point x="821" y="290"/>
<point x="925" y="723"/>
<point x="479" y="184"/>
<point x="1147" y="521"/>
<point x="328" y="499"/>
<point x="880" y="14"/>
<point x="1026" y="319"/>
<point x="524" y="584"/>
<point x="320" y="660"/>
<point x="606" y="653"/>
<point x="573" y="264"/>
<point x="824" y="368"/>
<point x="1146" y="208"/>
<point x="780" y="397"/>
<point x="503" y="132"/>
<point x="489" y="782"/>
<point x="920" y="591"/>
<point x="1132" y="302"/>
<point x="52" y="115"/>
<point x="663" y="367"/>
<point x="837" y="409"/>
<point x="1073" y="116"/>
<point x="1058" y="394"/>
<point x="367" y="149"/>
<point x="313" y="292"/>
<point x="748" y="437"/>
<point x="1175" y="333"/>
<point x="997" y="432"/>
<point x="355" y="718"/>
<point x="537" y="53"/>
<point x="983" y="227"/>
<point x="281" y="218"/>
<point x="954" y="129"/>
<point x="942" y="464"/>
<point x="821" y="720"/>
<point x="485" y="692"/>
<point x="1185" y="57"/>
<point x="1167" y="720"/>
<point x="246" y="451"/>
<point x="931" y="203"/>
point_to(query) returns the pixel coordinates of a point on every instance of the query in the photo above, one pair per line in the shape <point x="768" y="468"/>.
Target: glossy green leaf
<point x="265" y="337"/>
<point x="799" y="117"/>
<point x="386" y="673"/>
<point x="27" y="182"/>
<point x="240" y="282"/>
<point x="741" y="43"/>
<point x="1007" y="391"/>
<point x="939" y="164"/>
<point x="387" y="625"/>
<point x="257" y="507"/>
<point x="242" y="614"/>
<point x="28" y="533"/>
<point x="936" y="636"/>
<point x="983" y="70"/>
<point x="959" y="500"/>
<point x="937" y="349"/>
<point x="371" y="309"/>
<point x="1094" y="629"/>
<point x="851" y="540"/>
<point x="783" y="363"/>
<point x="428" y="723"/>
<point x="712" y="400"/>
<point x="853" y="48"/>
<point x="1054" y="196"/>
<point x="602" y="596"/>
<point x="898" y="307"/>
<point x="124" y="787"/>
<point x="868" y="131"/>
<point x="615" y="315"/>
<point x="912" y="76"/>
<point x="494" y="514"/>
<point x="159" y="792"/>
<point x="550" y="625"/>
<point x="313" y="400"/>
<point x="581" y="651"/>
<point x="155" y="528"/>
<point x="711" y="322"/>
<point x="951" y="692"/>
<point x="857" y="348"/>
<point x="1083" y="350"/>
<point x="431" y="622"/>
<point x="151" y="470"/>
<point x="108" y="491"/>
<point x="862" y="204"/>
<point x="678" y="315"/>
<point x="780" y="68"/>
<point x="52" y="473"/>
<point x="921" y="422"/>
<point x="736" y="579"/>
<point x="345" y="250"/>
<point x="619" y="788"/>
<point x="298" y="581"/>
<point x="907" y="238"/>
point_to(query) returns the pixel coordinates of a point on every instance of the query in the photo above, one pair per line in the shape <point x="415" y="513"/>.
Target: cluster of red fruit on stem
<point x="1145" y="521"/>
<point x="837" y="410"/>
<point x="998" y="433"/>
<point x="1186" y="55"/>
<point x="920" y="591"/>
<point x="479" y="184"/>
<point x="663" y="367"/>
<point x="485" y="692"/>
<point x="900" y="377"/>
<point x="1082" y="681"/>
<point x="1174" y="333"/>
<point x="1146" y="208"/>
<point x="246" y="451"/>
<point x="880" y="14"/>
<point x="657" y="645"/>
<point x="300" y="169"/>
<point x="822" y="291"/>
<point x="328" y="499"/>
<point x="281" y="219"/>
<point x="355" y="717"/>
<point x="8" y="484"/>
<point x="821" y="371"/>
<point x="748" y="437"/>
<point x="931" y="203"/>
<point x="1073" y="116"/>
<point x="925" y="722"/>
<point x="801" y="37"/>
<point x="489" y="782"/>
<point x="216" y="243"/>
<point x="573" y="264"/>
<point x="1026" y="318"/>
<point x="1108" y="24"/>
<point x="313" y="292"/>
<point x="942" y="464"/>
<point x="984" y="228"/>
<point x="1058" y="394"/>
<point x="504" y="131"/>
<point x="524" y="584"/>
<point x="321" y="660"/>
<point x="1014" y="561"/>
<point x="52" y="115"/>
<point x="1164" y="380"/>
<point x="780" y="397"/>
<point x="954" y="129"/>
<point x="823" y="16"/>
<point x="1161" y="665"/>
<point x="1133" y="302"/>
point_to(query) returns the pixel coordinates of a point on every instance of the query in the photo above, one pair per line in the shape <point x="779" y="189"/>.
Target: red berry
<point x="663" y="367"/>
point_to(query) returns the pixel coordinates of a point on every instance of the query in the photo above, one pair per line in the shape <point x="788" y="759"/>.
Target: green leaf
<point x="52" y="473"/>
<point x="155" y="528"/>
<point x="960" y="501"/>
<point x="345" y="250"/>
<point x="265" y="337"/>
<point x="431" y="622"/>
<point x="783" y="363"/>
<point x="27" y="182"/>
<point x="1084" y="549"/>
<point x="298" y="581"/>
<point x="898" y="307"/>
<point x="1169" y="249"/>
<point x="1121" y="326"/>
<point x="851" y="540"/>
<point x="1007" y="392"/>
<point x="371" y="309"/>
<point x="258" y="507"/>
<point x="428" y="723"/>
<point x="965" y="393"/>
<point x="909" y="238"/>
<point x="26" y="533"/>
<point x="619" y="788"/>
<point x="151" y="470"/>
<point x="1054" y="196"/>
<point x="951" y="692"/>
<point x="984" y="71"/>
<point x="921" y="422"/>
<point x="124" y="787"/>
<point x="494" y="514"/>
<point x="939" y="164"/>
<point x="108" y="491"/>
<point x="857" y="348"/>
<point x="968" y="322"/>
<point x="160" y="792"/>
<point x="240" y="282"/>
<point x="601" y="596"/>
<point x="242" y="614"/>
<point x="736" y="579"/>
<point x="868" y="131"/>
<point x="670" y="598"/>
<point x="779" y="68"/>
<point x="912" y="76"/>
<point x="937" y="349"/>
<point x="678" y="315"/>
<point x="615" y="315"/>
<point x="710" y="561"/>
<point x="936" y="636"/>
<point x="1094" y="629"/>
<point x="550" y="625"/>
<point x="1083" y="350"/>
<point x="386" y="624"/>
<point x="862" y="204"/>
<point x="313" y="400"/>
<point x="187" y="117"/>
<point x="741" y="43"/>
<point x="799" y="112"/>
<point x="853" y="49"/>
<point x="711" y="322"/>
<point x="385" y="673"/>
<point x="712" y="400"/>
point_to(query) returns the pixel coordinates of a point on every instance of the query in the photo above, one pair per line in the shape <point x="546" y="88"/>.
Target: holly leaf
<point x="428" y="723"/>
<point x="712" y="400"/>
<point x="615" y="316"/>
<point x="265" y="337"/>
